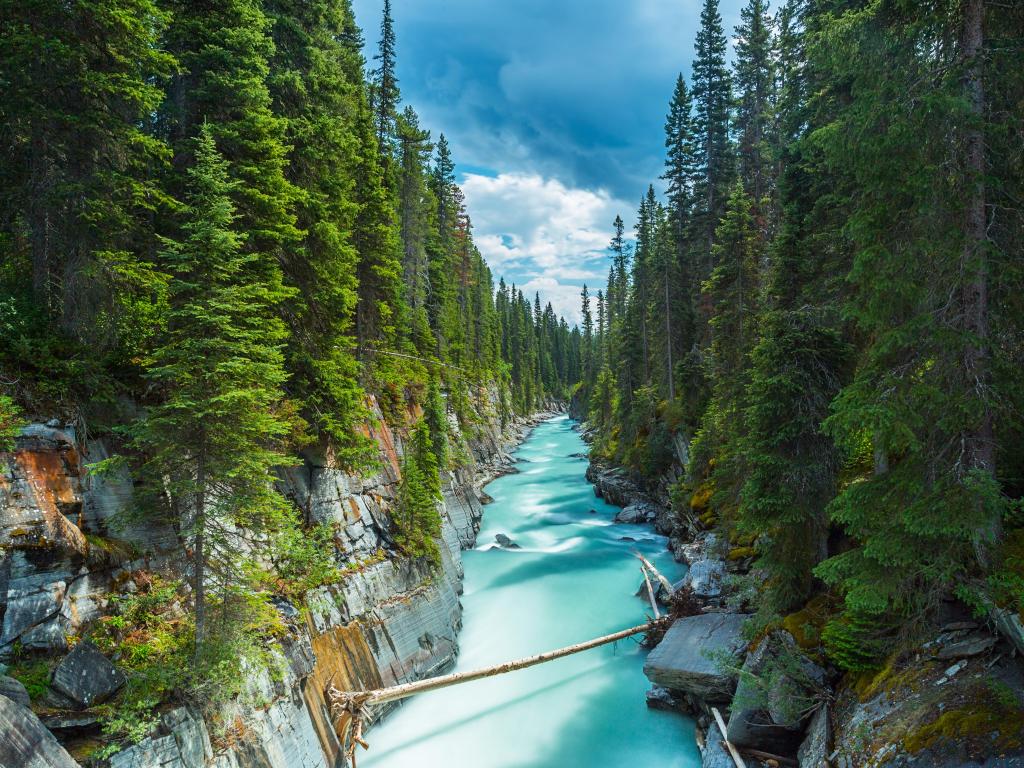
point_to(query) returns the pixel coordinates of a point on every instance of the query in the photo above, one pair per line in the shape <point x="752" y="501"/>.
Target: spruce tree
<point x="80" y="169"/>
<point x="754" y="80"/>
<point x="418" y="521"/>
<point x="385" y="87"/>
<point x="922" y="398"/>
<point x="712" y="97"/>
<point x="311" y="82"/>
<point x="212" y="440"/>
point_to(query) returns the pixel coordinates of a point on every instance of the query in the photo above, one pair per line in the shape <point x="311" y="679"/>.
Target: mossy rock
<point x="741" y="553"/>
<point x="806" y="624"/>
<point x="890" y="679"/>
<point x="981" y="722"/>
<point x="700" y="501"/>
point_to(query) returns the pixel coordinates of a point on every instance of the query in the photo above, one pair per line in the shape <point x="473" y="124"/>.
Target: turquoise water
<point x="574" y="579"/>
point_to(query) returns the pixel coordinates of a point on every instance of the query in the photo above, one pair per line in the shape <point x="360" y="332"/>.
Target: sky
<point x="554" y="111"/>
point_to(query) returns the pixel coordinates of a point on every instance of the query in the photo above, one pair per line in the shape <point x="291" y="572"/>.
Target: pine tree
<point x="681" y="171"/>
<point x="80" y="170"/>
<point x="922" y="396"/>
<point x="211" y="440"/>
<point x="385" y="88"/>
<point x="587" y="337"/>
<point x="311" y="82"/>
<point x="225" y="56"/>
<point x="418" y="522"/>
<point x="416" y="211"/>
<point x="712" y="97"/>
<point x="734" y="293"/>
<point x="754" y="79"/>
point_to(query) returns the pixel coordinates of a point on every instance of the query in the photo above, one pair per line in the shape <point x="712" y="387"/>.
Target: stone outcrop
<point x="778" y="684"/>
<point x="86" y="676"/>
<point x="690" y="657"/>
<point x="13" y="690"/>
<point x="26" y="743"/>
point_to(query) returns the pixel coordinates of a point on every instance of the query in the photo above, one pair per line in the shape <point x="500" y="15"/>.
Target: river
<point x="573" y="579"/>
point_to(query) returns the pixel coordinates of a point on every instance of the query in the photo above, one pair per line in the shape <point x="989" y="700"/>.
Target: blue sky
<point x="554" y="110"/>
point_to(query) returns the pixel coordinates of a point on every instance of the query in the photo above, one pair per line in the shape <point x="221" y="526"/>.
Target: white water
<point x="574" y="579"/>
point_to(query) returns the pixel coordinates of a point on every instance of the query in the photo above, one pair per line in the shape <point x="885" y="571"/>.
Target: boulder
<point x="26" y="743"/>
<point x="505" y="542"/>
<point x="967" y="648"/>
<point x="815" y="749"/>
<point x="14" y="691"/>
<point x="29" y="608"/>
<point x="640" y="512"/>
<point x="777" y="684"/>
<point x="688" y="657"/>
<point x="705" y="578"/>
<point x="714" y="754"/>
<point x="86" y="676"/>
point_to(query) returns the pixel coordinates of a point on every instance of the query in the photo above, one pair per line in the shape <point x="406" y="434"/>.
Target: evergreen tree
<point x="922" y="396"/>
<point x="212" y="440"/>
<point x="754" y="79"/>
<point x="312" y="83"/>
<point x="79" y="169"/>
<point x="418" y="522"/>
<point x="385" y="87"/>
<point x="712" y="96"/>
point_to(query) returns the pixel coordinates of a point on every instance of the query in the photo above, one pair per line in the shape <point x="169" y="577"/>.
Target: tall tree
<point x="79" y="170"/>
<point x="385" y="86"/>
<point x="712" y="96"/>
<point x="316" y="84"/>
<point x="754" y="80"/>
<point x="210" y="442"/>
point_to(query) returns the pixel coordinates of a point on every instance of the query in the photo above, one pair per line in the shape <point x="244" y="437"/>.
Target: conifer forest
<point x="256" y="370"/>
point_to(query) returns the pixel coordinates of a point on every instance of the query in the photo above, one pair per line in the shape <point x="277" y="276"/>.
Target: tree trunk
<point x="199" y="555"/>
<point x="668" y="340"/>
<point x="980" y="445"/>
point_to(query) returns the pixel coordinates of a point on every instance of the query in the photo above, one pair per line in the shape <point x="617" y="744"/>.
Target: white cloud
<point x="543" y="235"/>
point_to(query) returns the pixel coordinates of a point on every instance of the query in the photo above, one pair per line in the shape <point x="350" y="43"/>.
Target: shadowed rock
<point x="687" y="659"/>
<point x="86" y="676"/>
<point x="26" y="743"/>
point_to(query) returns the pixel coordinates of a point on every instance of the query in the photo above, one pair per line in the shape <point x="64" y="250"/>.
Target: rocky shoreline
<point x="780" y="701"/>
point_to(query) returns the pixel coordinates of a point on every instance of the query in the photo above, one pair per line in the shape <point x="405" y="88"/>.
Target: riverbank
<point x="551" y="568"/>
<point x="946" y="704"/>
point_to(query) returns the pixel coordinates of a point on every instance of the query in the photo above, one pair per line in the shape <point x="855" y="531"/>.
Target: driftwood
<point x="768" y="756"/>
<point x="657" y="574"/>
<point x="348" y="708"/>
<point x="725" y="739"/>
<point x="650" y="592"/>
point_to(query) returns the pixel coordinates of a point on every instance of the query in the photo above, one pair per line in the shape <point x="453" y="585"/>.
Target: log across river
<point x="573" y="579"/>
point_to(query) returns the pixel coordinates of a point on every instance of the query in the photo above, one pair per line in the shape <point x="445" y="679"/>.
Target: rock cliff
<point x="389" y="620"/>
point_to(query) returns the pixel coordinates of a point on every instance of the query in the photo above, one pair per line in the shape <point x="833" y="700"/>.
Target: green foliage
<point x="417" y="519"/>
<point x="33" y="674"/>
<point x="304" y="558"/>
<point x="10" y="422"/>
<point x="152" y="638"/>
<point x="857" y="641"/>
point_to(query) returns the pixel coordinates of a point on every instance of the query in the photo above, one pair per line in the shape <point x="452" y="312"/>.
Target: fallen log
<point x="725" y="739"/>
<point x="657" y="574"/>
<point x="650" y="592"/>
<point x="348" y="708"/>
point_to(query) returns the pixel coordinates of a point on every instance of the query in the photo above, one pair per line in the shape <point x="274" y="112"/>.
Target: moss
<point x="701" y="499"/>
<point x="806" y="624"/>
<point x="34" y="675"/>
<point x="741" y="553"/>
<point x="105" y="550"/>
<point x="981" y="723"/>
<point x="891" y="678"/>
